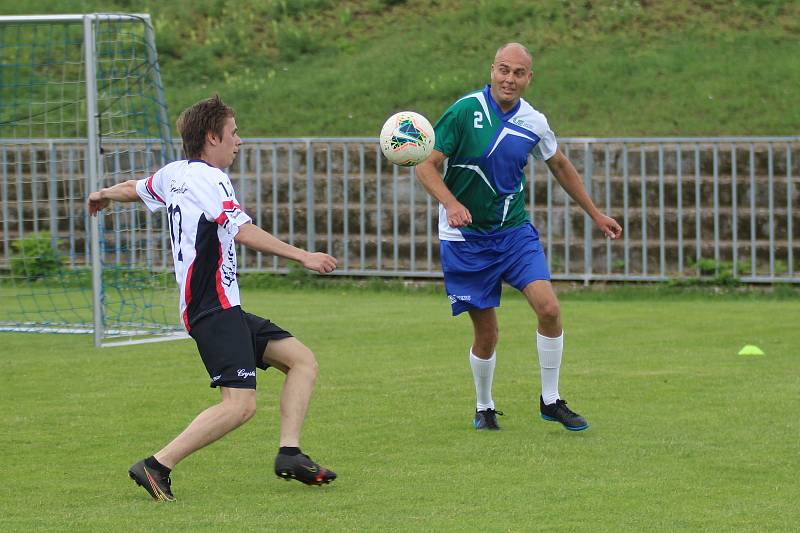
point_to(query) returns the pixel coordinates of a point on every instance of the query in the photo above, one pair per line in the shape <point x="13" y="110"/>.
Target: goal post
<point x="82" y="107"/>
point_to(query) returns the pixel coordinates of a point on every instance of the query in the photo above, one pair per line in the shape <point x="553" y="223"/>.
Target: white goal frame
<point x="102" y="334"/>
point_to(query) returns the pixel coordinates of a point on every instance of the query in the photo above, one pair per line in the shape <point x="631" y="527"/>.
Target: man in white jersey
<point x="485" y="234"/>
<point x="205" y="222"/>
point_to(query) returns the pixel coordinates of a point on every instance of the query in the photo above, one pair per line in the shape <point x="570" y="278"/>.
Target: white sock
<point x="550" y="350"/>
<point x="482" y="373"/>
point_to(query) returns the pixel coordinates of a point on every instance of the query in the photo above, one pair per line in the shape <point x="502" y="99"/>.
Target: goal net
<point x="82" y="107"/>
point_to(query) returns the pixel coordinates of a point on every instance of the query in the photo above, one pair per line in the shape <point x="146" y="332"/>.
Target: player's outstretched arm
<point x="257" y="239"/>
<point x="566" y="174"/>
<point x="429" y="174"/>
<point x="121" y="192"/>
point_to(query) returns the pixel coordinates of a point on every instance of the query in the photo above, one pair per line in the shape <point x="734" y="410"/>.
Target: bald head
<point x="514" y="51"/>
<point x="510" y="74"/>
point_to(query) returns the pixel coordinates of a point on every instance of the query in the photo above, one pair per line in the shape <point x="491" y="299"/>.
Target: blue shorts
<point x="475" y="269"/>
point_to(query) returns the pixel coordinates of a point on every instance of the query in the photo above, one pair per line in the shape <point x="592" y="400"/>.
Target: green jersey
<point x="487" y="152"/>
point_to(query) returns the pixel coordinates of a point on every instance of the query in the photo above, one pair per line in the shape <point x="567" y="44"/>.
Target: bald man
<point x="485" y="234"/>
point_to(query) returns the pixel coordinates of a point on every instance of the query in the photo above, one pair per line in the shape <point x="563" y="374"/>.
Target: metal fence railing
<point x="688" y="206"/>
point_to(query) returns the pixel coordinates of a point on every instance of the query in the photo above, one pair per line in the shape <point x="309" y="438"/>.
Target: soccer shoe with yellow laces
<point x="154" y="482"/>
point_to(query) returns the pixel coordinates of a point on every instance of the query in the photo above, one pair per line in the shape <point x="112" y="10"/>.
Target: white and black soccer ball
<point x="407" y="138"/>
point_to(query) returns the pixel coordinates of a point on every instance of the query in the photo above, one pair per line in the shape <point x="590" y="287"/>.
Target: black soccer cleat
<point x="303" y="469"/>
<point x="486" y="420"/>
<point x="559" y="412"/>
<point x="154" y="482"/>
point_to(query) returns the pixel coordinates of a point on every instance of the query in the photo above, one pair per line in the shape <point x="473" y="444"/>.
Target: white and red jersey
<point x="204" y="217"/>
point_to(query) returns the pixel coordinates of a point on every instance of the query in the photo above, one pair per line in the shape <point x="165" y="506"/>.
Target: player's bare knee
<point x="488" y="333"/>
<point x="241" y="409"/>
<point x="549" y="312"/>
<point x="310" y="369"/>
<point x="485" y="342"/>
<point x="306" y="363"/>
<point x="246" y="411"/>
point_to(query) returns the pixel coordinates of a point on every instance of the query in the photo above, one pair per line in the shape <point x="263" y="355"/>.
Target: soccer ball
<point x="407" y="138"/>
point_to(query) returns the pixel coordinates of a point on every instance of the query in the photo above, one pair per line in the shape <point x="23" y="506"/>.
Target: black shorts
<point x="232" y="343"/>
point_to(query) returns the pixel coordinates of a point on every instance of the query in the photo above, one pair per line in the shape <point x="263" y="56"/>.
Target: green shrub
<point x="35" y="257"/>
<point x="712" y="273"/>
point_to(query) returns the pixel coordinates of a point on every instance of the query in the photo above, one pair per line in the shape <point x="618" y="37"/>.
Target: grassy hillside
<point x="601" y="68"/>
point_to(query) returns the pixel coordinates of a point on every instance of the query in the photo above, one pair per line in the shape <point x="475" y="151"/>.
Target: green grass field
<point x="685" y="435"/>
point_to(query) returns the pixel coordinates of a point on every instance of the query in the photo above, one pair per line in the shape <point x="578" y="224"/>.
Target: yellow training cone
<point x="751" y="349"/>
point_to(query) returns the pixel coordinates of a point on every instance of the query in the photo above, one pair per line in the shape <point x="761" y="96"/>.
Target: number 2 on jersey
<point x="478" y="122"/>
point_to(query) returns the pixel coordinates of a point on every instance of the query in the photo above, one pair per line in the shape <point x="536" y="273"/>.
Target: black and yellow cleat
<point x="303" y="469"/>
<point x="154" y="482"/>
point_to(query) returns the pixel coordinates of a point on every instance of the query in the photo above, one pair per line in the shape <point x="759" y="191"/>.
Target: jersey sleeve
<point x="218" y="201"/>
<point x="448" y="130"/>
<point x="547" y="145"/>
<point x="151" y="191"/>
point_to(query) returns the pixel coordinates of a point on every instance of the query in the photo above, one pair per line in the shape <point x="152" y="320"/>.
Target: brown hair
<point x="197" y="120"/>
